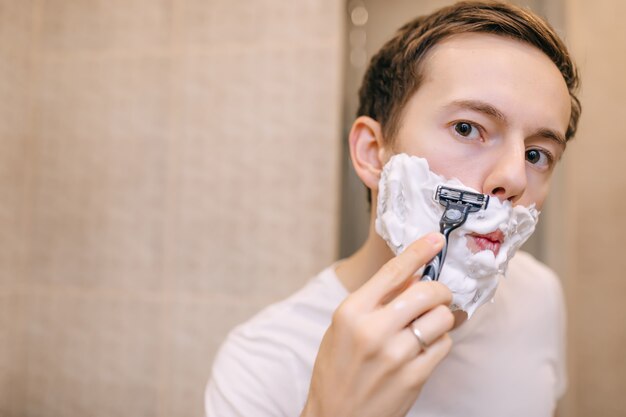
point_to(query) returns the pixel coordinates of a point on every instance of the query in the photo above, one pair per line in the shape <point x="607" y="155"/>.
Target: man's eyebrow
<point x="479" y="106"/>
<point x="551" y="134"/>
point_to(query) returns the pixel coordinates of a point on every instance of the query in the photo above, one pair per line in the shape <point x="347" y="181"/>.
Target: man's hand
<point x="370" y="363"/>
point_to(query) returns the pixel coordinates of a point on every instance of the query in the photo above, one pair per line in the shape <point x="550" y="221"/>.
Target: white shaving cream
<point x="407" y="211"/>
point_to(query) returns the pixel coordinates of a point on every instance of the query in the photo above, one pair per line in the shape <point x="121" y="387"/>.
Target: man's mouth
<point x="491" y="241"/>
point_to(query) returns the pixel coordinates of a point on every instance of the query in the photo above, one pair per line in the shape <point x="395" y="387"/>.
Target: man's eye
<point x="467" y="130"/>
<point x="538" y="157"/>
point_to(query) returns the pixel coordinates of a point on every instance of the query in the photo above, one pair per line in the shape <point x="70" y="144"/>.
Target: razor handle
<point x="453" y="216"/>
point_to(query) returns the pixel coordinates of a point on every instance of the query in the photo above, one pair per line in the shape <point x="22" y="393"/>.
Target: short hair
<point x="396" y="71"/>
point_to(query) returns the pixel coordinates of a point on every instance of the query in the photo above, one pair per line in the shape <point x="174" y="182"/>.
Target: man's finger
<point x="425" y="303"/>
<point x="395" y="272"/>
<point x="419" y="369"/>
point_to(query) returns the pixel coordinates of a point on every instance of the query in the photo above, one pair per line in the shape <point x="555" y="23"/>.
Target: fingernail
<point x="435" y="238"/>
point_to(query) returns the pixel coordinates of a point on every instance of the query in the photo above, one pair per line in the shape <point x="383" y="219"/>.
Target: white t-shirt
<point x="507" y="360"/>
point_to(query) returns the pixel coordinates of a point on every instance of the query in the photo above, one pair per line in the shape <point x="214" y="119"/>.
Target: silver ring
<point x="419" y="337"/>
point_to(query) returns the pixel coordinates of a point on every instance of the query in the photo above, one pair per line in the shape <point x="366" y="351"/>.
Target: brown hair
<point x="395" y="72"/>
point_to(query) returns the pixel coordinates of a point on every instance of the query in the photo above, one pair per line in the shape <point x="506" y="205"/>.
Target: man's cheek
<point x="406" y="211"/>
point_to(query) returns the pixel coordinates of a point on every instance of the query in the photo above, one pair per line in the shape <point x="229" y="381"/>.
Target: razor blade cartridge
<point x="473" y="201"/>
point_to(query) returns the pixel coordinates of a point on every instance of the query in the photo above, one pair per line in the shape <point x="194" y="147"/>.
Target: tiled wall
<point x="167" y="168"/>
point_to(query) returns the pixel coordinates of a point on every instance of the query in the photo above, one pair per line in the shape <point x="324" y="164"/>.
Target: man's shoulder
<point x="271" y="355"/>
<point x="532" y="294"/>
<point x="293" y="325"/>
<point x="528" y="274"/>
<point x="311" y="306"/>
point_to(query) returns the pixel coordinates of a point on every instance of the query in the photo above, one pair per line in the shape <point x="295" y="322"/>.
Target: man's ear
<point x="366" y="150"/>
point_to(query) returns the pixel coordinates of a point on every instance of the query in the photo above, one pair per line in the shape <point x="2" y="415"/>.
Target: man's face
<point x="492" y="112"/>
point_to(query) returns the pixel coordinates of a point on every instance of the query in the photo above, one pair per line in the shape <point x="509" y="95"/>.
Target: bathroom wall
<point x="15" y="139"/>
<point x="167" y="168"/>
<point x="594" y="197"/>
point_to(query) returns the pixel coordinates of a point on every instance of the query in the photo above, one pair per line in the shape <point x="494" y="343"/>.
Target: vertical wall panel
<point x="254" y="165"/>
<point x="15" y="123"/>
<point x="168" y="168"/>
<point x="595" y="203"/>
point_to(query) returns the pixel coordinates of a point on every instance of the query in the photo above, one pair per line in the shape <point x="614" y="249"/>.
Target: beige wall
<point x="594" y="213"/>
<point x="167" y="168"/>
<point x="15" y="140"/>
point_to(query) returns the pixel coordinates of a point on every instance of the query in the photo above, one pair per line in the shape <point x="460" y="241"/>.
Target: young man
<point x="485" y="93"/>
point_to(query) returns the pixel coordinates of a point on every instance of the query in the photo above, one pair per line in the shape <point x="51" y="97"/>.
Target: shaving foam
<point x="407" y="211"/>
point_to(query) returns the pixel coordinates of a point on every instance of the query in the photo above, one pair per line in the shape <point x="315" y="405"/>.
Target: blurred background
<point x="169" y="167"/>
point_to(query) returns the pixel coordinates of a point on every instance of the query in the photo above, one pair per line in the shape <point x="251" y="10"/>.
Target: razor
<point x="458" y="205"/>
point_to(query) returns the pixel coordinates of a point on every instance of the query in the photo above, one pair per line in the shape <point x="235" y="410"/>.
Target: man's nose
<point x="507" y="177"/>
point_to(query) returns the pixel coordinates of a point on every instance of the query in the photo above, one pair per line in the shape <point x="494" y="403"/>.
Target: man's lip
<point x="490" y="241"/>
<point x="496" y="236"/>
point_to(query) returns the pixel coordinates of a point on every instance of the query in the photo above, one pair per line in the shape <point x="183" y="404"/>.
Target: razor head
<point x="473" y="201"/>
<point x="458" y="204"/>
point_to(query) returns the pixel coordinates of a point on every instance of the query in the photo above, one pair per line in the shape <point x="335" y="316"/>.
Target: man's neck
<point x="364" y="263"/>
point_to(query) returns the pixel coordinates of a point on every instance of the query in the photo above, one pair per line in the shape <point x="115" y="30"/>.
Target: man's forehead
<point x="497" y="75"/>
<point x="477" y="53"/>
